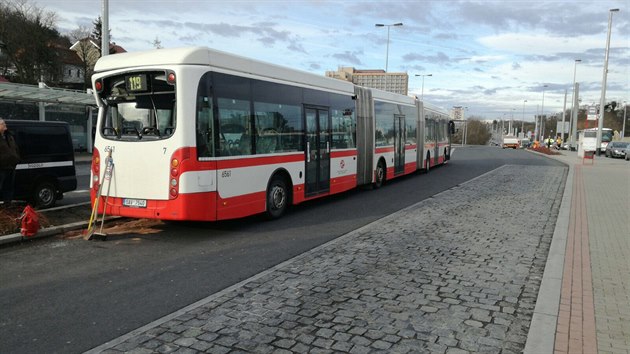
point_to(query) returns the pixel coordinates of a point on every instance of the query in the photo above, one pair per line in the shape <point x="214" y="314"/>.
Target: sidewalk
<point x="585" y="308"/>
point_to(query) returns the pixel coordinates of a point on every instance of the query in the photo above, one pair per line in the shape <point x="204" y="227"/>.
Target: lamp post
<point x="523" y="121"/>
<point x="602" y="102"/>
<point x="512" y="128"/>
<point x="105" y="29"/>
<point x="573" y="119"/>
<point x="542" y="111"/>
<point x="465" y="126"/>
<point x="422" y="93"/>
<point x="387" y="52"/>
<point x="623" y="129"/>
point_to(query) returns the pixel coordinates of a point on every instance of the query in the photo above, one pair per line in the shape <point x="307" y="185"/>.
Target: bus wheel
<point x="44" y="195"/>
<point x="277" y="198"/>
<point x="380" y="175"/>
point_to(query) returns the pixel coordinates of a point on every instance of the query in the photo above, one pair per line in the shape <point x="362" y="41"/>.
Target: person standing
<point x="9" y="158"/>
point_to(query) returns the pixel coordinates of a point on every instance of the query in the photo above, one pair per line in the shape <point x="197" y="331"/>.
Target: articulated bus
<point x="199" y="134"/>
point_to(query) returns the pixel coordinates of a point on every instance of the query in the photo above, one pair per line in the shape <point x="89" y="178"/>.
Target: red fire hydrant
<point x="30" y="222"/>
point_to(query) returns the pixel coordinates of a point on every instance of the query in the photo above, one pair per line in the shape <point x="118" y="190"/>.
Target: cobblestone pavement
<point x="456" y="273"/>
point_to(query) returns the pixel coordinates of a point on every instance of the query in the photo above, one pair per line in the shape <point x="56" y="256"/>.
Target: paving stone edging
<point x="542" y="331"/>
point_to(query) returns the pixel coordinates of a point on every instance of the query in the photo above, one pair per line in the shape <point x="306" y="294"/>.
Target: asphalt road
<point x="68" y="296"/>
<point x="82" y="193"/>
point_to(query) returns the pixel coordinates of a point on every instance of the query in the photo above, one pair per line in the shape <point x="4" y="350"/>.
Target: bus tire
<point x="427" y="164"/>
<point x="277" y="198"/>
<point x="44" y="195"/>
<point x="379" y="174"/>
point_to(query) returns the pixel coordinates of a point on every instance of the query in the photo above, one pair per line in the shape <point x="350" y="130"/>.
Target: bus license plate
<point x="135" y="203"/>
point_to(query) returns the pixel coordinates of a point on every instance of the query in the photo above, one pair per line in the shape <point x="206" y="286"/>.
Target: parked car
<point x="525" y="143"/>
<point x="46" y="169"/>
<point x="626" y="152"/>
<point x="616" y="149"/>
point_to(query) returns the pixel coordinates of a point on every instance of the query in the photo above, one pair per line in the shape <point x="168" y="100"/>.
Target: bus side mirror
<point x="451" y="127"/>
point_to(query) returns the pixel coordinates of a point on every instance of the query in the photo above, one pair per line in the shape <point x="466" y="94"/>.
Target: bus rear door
<point x="317" y="175"/>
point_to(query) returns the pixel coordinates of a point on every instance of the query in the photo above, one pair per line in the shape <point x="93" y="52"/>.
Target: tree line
<point x="32" y="49"/>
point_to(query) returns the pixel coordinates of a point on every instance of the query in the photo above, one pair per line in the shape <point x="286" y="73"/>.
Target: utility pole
<point x="564" y="109"/>
<point x="105" y="29"/>
<point x="602" y="104"/>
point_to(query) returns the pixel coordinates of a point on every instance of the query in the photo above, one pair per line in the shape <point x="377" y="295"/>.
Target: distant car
<point x="525" y="143"/>
<point x="627" y="152"/>
<point x="616" y="149"/>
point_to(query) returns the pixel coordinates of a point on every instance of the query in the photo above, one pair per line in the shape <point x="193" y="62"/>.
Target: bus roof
<point x="210" y="57"/>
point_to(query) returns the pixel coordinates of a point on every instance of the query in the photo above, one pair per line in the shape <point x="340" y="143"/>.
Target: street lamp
<point x="105" y="28"/>
<point x="573" y="120"/>
<point x="387" y="52"/>
<point x="602" y="103"/>
<point x="422" y="94"/>
<point x="523" y="121"/>
<point x="465" y="140"/>
<point x="542" y="112"/>
<point x="512" y="122"/>
<point x="625" y="109"/>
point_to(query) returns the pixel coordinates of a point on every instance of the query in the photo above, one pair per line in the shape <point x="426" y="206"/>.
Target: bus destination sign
<point x="136" y="83"/>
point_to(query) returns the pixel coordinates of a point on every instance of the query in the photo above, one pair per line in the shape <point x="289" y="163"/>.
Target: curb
<point x="542" y="330"/>
<point x="47" y="232"/>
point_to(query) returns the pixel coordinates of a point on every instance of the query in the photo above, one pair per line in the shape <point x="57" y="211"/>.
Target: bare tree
<point x="28" y="32"/>
<point x="85" y="51"/>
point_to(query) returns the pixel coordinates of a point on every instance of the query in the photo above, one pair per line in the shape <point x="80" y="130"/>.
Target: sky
<point x="490" y="56"/>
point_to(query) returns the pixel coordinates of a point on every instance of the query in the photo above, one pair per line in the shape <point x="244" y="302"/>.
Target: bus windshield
<point x="138" y="106"/>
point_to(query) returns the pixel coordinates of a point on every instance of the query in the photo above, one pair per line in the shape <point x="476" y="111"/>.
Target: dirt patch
<point x="120" y="226"/>
<point x="544" y="150"/>
<point x="10" y="217"/>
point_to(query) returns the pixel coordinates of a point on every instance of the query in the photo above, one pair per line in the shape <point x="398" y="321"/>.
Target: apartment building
<point x="378" y="79"/>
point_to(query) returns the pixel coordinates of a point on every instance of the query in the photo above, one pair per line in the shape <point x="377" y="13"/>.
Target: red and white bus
<point x="198" y="134"/>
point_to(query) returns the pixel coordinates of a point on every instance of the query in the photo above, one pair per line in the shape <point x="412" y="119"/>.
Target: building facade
<point x="378" y="79"/>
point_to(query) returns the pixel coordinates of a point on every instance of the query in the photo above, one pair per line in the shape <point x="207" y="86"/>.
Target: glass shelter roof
<point x="32" y="93"/>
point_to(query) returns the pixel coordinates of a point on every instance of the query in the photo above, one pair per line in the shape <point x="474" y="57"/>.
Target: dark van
<point x="46" y="168"/>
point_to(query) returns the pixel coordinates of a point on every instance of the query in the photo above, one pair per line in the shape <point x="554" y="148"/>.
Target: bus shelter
<point x="31" y="102"/>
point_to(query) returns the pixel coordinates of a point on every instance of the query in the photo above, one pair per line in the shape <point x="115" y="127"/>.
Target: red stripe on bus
<point x="259" y="161"/>
<point x="382" y="150"/>
<point x="344" y="153"/>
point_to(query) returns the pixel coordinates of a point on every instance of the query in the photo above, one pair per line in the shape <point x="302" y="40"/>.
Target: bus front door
<point x="317" y="173"/>
<point x="399" y="144"/>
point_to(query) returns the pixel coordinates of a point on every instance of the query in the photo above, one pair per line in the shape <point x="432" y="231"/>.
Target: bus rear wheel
<point x="379" y="179"/>
<point x="277" y="198"/>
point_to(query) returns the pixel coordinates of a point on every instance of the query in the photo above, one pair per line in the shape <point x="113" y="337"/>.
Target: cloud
<point x="349" y="57"/>
<point x="438" y="57"/>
